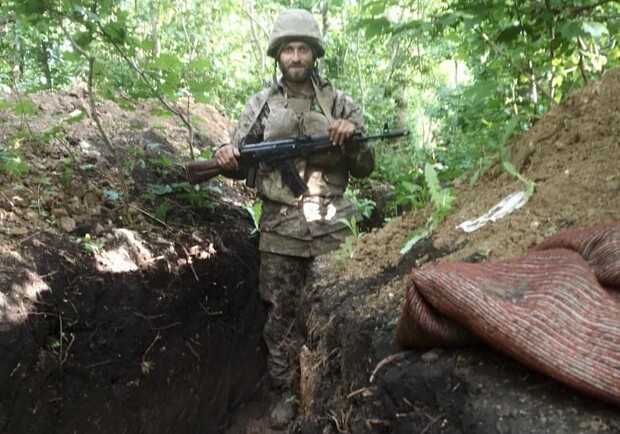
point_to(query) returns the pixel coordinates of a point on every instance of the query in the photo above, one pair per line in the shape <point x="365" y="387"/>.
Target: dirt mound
<point x="369" y="385"/>
<point x="142" y="315"/>
<point x="571" y="154"/>
<point x="121" y="316"/>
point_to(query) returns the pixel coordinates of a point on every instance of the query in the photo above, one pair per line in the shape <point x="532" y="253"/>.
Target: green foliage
<point x="349" y="247"/>
<point x="351" y="224"/>
<point x="530" y="186"/>
<point x="463" y="76"/>
<point x="162" y="209"/>
<point x="255" y="210"/>
<point x="12" y="163"/>
<point x="90" y="244"/>
<point x="364" y="206"/>
<point x="441" y="199"/>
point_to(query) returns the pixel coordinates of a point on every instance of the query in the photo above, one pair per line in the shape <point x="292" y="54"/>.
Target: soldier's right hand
<point x="226" y="157"/>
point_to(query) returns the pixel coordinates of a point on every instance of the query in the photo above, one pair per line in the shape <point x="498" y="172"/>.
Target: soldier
<point x="295" y="229"/>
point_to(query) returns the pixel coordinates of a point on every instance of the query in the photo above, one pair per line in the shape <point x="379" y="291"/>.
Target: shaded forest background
<point x="462" y="76"/>
<point x="125" y="293"/>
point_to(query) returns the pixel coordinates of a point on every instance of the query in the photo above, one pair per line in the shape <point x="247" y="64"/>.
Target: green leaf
<point x="34" y="7"/>
<point x="376" y="27"/>
<point x="530" y="188"/>
<point x="480" y="90"/>
<point x="13" y="164"/>
<point x="168" y="62"/>
<point x="83" y="39"/>
<point x="510" y="168"/>
<point x="509" y="34"/>
<point x="594" y="29"/>
<point x="116" y="31"/>
<point x="162" y="210"/>
<point x="201" y="64"/>
<point x="25" y="107"/>
<point x="451" y="19"/>
<point x="416" y="26"/>
<point x="574" y="29"/>
<point x="201" y="86"/>
<point x="413" y="239"/>
<point x="71" y="56"/>
<point x="376" y="8"/>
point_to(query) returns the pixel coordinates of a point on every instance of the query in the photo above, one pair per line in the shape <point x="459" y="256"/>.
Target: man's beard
<point x="296" y="76"/>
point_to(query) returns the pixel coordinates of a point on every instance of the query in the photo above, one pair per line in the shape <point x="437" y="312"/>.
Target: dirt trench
<point x="172" y="342"/>
<point x="166" y="348"/>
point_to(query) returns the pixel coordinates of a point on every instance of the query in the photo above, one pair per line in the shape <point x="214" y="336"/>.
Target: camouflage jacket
<point x="307" y="225"/>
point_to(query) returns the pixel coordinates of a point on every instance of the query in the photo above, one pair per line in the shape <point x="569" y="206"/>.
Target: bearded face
<point x="295" y="61"/>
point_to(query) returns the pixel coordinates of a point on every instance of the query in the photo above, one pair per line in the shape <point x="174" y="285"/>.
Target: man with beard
<point x="296" y="228"/>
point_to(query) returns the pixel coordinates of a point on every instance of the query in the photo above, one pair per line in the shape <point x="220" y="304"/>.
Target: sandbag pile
<point x="556" y="309"/>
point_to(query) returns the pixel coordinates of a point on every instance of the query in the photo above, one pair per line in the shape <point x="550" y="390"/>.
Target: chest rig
<point x="291" y="116"/>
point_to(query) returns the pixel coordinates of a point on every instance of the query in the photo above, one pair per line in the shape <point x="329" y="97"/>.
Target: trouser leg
<point x="281" y="282"/>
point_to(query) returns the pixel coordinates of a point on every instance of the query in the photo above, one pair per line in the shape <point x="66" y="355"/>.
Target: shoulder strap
<point x="320" y="97"/>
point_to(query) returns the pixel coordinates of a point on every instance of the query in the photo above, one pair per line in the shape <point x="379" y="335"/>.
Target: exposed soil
<point x="120" y="319"/>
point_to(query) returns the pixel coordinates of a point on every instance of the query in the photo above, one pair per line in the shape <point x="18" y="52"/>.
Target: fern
<point x="442" y="200"/>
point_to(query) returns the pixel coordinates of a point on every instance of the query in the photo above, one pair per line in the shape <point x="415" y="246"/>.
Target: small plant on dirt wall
<point x="441" y="199"/>
<point x="89" y="244"/>
<point x="255" y="210"/>
<point x="12" y="163"/>
<point x="348" y="248"/>
<point x="363" y="205"/>
<point x="530" y="186"/>
<point x="351" y="224"/>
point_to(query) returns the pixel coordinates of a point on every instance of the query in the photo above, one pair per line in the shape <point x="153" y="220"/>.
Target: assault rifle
<point x="281" y="154"/>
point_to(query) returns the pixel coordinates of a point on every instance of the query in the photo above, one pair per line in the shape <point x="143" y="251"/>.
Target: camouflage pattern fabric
<point x="288" y="225"/>
<point x="281" y="282"/>
<point x="296" y="229"/>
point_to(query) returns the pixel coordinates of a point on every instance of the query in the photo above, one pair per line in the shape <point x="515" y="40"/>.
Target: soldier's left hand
<point x="340" y="131"/>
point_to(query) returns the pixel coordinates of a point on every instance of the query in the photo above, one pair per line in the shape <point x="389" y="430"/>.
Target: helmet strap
<point x="274" y="76"/>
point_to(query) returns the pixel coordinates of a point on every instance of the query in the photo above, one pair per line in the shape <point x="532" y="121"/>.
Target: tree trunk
<point x="44" y="58"/>
<point x="155" y="28"/>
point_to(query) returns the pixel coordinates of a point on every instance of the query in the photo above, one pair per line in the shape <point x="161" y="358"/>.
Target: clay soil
<point x="126" y="309"/>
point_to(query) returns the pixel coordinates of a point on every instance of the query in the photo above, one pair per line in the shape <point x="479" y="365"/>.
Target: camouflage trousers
<point x="281" y="284"/>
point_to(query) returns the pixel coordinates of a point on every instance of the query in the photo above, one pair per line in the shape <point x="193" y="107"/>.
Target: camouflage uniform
<point x="296" y="229"/>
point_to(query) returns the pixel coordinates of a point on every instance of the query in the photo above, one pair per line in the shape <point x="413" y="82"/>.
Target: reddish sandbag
<point x="556" y="309"/>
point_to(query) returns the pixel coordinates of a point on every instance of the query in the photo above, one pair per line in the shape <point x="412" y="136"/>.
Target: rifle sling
<point x="321" y="100"/>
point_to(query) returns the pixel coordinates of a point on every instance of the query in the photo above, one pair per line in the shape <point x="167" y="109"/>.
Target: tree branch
<point x="153" y="89"/>
<point x="253" y="25"/>
<point x="488" y="40"/>
<point x="95" y="114"/>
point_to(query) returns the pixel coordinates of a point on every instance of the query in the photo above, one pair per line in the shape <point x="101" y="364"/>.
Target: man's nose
<point x="296" y="55"/>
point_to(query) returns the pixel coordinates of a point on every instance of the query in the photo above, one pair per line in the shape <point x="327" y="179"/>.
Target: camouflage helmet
<point x="295" y="25"/>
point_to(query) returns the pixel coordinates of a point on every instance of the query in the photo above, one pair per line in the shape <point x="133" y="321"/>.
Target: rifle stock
<point x="203" y="170"/>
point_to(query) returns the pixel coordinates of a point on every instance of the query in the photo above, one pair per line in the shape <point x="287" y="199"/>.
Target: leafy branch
<point x="95" y="114"/>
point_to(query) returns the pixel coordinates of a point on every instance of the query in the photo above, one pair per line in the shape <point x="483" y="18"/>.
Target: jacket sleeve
<point x="361" y="159"/>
